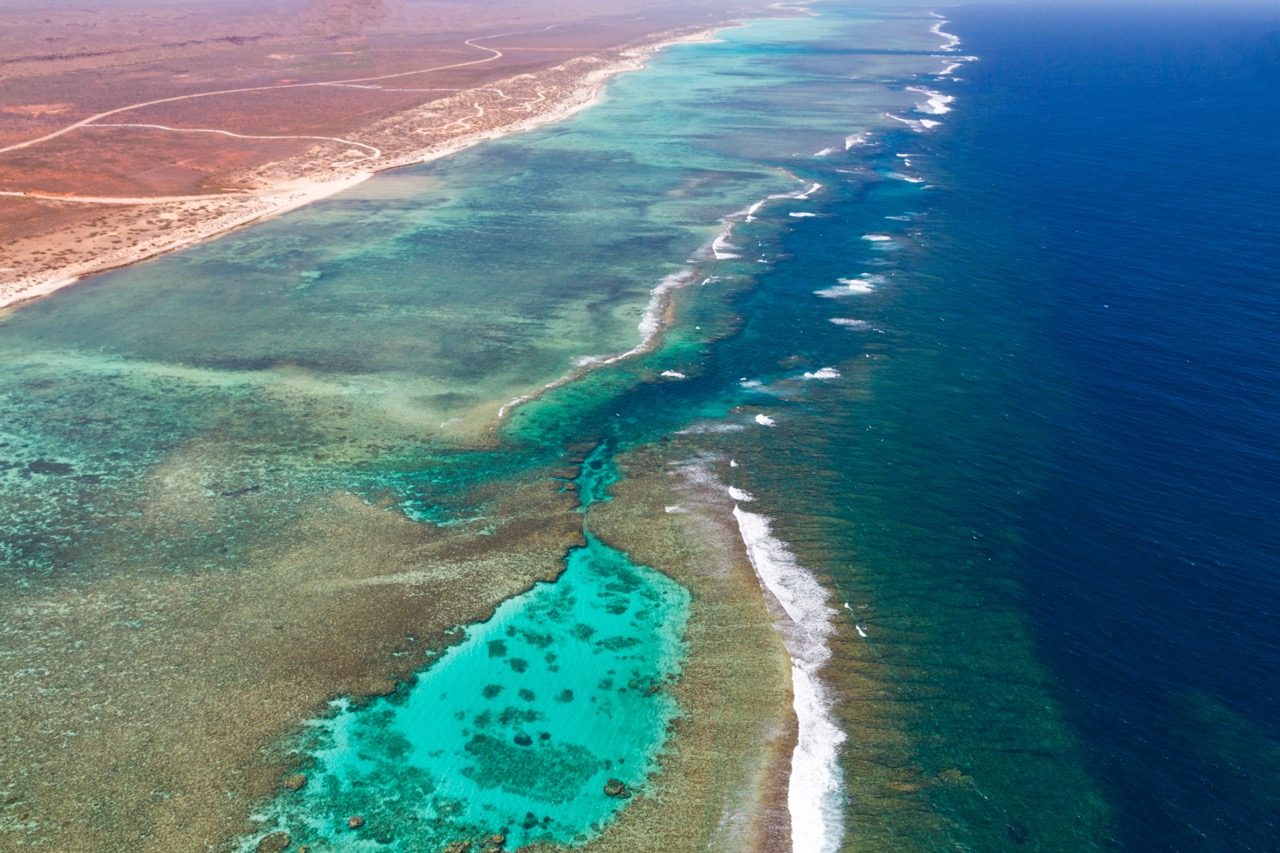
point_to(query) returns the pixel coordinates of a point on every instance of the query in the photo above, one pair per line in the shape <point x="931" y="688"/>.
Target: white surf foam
<point x="649" y="326"/>
<point x="951" y="40"/>
<point x="651" y="322"/>
<point x="814" y="789"/>
<point x="918" y="125"/>
<point x="948" y="73"/>
<point x="856" y="139"/>
<point x="852" y="324"/>
<point x="822" y="373"/>
<point x="863" y="284"/>
<point x="825" y="151"/>
<point x="804" y="196"/>
<point x="936" y="103"/>
<point x="802" y="214"/>
<point x="765" y="420"/>
<point x="953" y="63"/>
<point x="909" y="122"/>
<point x="721" y="247"/>
<point x="877" y="238"/>
<point x="672" y="374"/>
<point x="800" y="196"/>
<point x="740" y="495"/>
<point x="902" y="176"/>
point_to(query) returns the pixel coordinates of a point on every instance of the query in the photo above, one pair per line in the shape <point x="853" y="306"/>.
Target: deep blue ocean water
<point x="1055" y="485"/>
<point x="1123" y="155"/>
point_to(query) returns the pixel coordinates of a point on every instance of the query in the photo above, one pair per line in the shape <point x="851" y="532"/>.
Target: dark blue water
<point x="1130" y="155"/>
<point x="1047" y="482"/>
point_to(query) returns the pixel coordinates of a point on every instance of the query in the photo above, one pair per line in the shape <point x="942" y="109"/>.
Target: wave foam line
<point x="918" y="125"/>
<point x="650" y="325"/>
<point x="955" y="63"/>
<point x="814" y="790"/>
<point x="951" y="40"/>
<point x="804" y="196"/>
<point x="796" y="196"/>
<point x="937" y="103"/>
<point x="863" y="284"/>
<point x="720" y="246"/>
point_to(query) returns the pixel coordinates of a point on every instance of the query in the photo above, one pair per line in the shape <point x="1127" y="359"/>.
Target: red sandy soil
<point x="61" y="65"/>
<point x="63" y="61"/>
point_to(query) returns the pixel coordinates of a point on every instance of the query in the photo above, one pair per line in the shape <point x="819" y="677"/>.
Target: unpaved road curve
<point x="471" y="42"/>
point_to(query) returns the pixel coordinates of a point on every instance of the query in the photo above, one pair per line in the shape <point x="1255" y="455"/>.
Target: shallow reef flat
<point x="174" y="688"/>
<point x="722" y="779"/>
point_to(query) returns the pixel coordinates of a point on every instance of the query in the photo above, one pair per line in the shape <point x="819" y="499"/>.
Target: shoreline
<point x="231" y="212"/>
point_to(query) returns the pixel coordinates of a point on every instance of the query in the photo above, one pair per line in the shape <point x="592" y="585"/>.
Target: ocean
<point x="965" y="312"/>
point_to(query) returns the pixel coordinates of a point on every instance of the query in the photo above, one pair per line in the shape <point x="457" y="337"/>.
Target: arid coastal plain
<point x="133" y="129"/>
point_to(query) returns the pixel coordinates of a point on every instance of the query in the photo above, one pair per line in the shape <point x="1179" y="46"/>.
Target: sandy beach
<point x="112" y="232"/>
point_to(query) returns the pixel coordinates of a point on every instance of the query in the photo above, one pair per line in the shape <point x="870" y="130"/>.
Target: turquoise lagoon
<point x="517" y="729"/>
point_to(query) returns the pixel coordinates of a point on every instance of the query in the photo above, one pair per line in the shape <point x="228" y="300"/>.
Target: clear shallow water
<point x="404" y="312"/>
<point x="520" y="727"/>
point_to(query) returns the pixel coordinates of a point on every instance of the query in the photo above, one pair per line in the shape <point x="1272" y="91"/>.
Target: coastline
<point x="201" y="219"/>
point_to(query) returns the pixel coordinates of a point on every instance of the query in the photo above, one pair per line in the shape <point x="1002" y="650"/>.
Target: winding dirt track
<point x="92" y="120"/>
